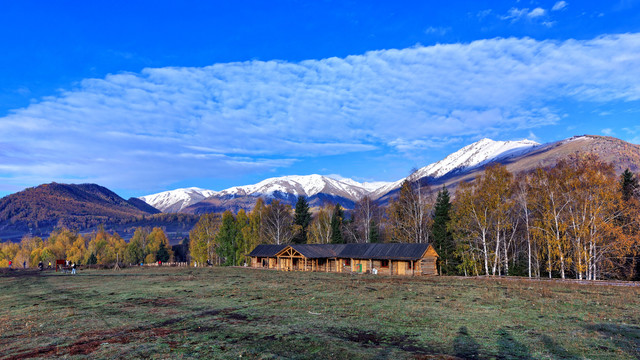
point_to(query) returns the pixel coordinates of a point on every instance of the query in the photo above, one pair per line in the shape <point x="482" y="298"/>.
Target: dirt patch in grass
<point x="159" y="302"/>
<point x="237" y="316"/>
<point x="91" y="341"/>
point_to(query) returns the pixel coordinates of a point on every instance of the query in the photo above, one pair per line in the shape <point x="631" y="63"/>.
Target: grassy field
<point x="235" y="312"/>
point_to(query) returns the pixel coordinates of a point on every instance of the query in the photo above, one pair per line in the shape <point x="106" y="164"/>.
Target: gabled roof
<point x="267" y="250"/>
<point x="384" y="251"/>
<point x="348" y="251"/>
<point x="318" y="251"/>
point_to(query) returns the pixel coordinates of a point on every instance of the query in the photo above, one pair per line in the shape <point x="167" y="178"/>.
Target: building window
<point x="384" y="263"/>
<point x="347" y="262"/>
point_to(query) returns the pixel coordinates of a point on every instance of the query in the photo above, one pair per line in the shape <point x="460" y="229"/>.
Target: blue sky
<point x="153" y="96"/>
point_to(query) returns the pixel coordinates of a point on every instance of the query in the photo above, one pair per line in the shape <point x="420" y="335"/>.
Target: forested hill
<point x="40" y="209"/>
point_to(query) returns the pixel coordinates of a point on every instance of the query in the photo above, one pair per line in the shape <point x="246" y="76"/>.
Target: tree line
<point x="574" y="219"/>
<point x="100" y="247"/>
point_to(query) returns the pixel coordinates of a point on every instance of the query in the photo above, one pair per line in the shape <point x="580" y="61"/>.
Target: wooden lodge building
<point x="389" y="259"/>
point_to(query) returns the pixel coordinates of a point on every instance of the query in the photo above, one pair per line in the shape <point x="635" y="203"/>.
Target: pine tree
<point x="336" y="223"/>
<point x="163" y="253"/>
<point x="442" y="237"/>
<point x="92" y="259"/>
<point x="628" y="184"/>
<point x="374" y="233"/>
<point x="302" y="218"/>
<point x="226" y="239"/>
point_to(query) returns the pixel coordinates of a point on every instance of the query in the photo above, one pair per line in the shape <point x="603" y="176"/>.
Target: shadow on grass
<point x="625" y="337"/>
<point x="510" y="348"/>
<point x="464" y="346"/>
<point x="556" y="349"/>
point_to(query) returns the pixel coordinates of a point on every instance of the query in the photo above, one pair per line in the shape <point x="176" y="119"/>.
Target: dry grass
<point x="228" y="312"/>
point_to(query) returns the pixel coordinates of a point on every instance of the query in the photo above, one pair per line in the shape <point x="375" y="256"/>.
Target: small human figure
<point x="73" y="268"/>
<point x="49" y="267"/>
<point x="159" y="263"/>
<point x="40" y="266"/>
<point x="24" y="264"/>
<point x="10" y="264"/>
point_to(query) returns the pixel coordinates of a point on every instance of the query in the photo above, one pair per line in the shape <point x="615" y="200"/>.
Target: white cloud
<point x="516" y="14"/>
<point x="608" y="132"/>
<point x="437" y="30"/>
<point x="537" y="12"/>
<point x="133" y="130"/>
<point x="560" y="5"/>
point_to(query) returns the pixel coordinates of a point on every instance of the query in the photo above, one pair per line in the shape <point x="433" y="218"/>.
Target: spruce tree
<point x="374" y="234"/>
<point x="92" y="259"/>
<point x="302" y="218"/>
<point x="226" y="239"/>
<point x="628" y="184"/>
<point x="442" y="237"/>
<point x="336" y="224"/>
<point x="162" y="254"/>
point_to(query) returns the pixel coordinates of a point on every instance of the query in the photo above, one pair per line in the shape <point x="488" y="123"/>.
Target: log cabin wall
<point x="412" y="260"/>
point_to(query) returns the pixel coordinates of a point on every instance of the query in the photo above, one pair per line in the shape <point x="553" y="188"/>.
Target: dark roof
<point x="394" y="251"/>
<point x="267" y="250"/>
<point x="318" y="251"/>
<point x="384" y="251"/>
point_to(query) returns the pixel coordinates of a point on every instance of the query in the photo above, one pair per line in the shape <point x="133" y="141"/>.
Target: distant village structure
<point x="388" y="259"/>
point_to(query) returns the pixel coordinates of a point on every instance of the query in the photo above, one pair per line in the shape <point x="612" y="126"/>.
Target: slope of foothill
<point x="40" y="209"/>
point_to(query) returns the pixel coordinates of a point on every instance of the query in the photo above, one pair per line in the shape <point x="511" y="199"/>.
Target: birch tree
<point x="410" y="214"/>
<point x="277" y="223"/>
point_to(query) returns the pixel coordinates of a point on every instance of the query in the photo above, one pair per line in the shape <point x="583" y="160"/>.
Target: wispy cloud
<point x="136" y="130"/>
<point x="515" y="14"/>
<point x="560" y="5"/>
<point x="437" y="30"/>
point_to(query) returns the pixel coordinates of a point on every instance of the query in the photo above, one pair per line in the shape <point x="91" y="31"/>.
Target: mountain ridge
<point x="321" y="188"/>
<point x="84" y="207"/>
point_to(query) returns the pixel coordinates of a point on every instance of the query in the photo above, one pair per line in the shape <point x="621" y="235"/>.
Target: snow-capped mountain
<point x="174" y="201"/>
<point x="476" y="154"/>
<point x="320" y="188"/>
<point x="469" y="157"/>
<point x="286" y="188"/>
<point x="307" y="185"/>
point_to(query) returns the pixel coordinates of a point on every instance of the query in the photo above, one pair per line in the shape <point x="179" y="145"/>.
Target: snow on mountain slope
<point x="469" y="157"/>
<point x="175" y="200"/>
<point x="307" y="185"/>
<point x="296" y="185"/>
<point x="476" y="154"/>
